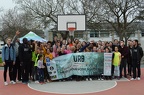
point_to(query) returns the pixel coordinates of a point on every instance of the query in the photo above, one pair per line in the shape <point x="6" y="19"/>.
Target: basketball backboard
<point x="71" y="21"/>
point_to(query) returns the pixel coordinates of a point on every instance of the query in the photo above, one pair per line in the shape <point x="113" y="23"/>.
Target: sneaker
<point x="63" y="80"/>
<point x="12" y="82"/>
<point x="36" y="81"/>
<point x="102" y="79"/>
<point x="138" y="78"/>
<point x="86" y="79"/>
<point x="18" y="81"/>
<point x="90" y="79"/>
<point x="5" y="83"/>
<point x="132" y="79"/>
<point x="24" y="82"/>
<point x="48" y="81"/>
<point x="113" y="77"/>
<point x="118" y="78"/>
<point x="42" y="83"/>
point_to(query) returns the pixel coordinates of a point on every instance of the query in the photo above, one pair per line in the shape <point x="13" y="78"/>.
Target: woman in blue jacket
<point x="8" y="58"/>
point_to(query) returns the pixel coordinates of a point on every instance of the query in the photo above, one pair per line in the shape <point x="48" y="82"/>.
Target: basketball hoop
<point x="71" y="31"/>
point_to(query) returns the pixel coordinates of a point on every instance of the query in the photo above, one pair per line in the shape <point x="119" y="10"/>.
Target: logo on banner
<point x="78" y="58"/>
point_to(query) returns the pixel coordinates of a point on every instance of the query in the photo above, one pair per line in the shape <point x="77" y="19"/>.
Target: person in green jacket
<point x="35" y="55"/>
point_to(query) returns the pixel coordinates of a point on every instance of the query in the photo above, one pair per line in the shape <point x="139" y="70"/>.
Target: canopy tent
<point x="32" y="36"/>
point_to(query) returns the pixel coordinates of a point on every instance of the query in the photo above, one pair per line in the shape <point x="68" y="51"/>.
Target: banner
<point x="82" y="64"/>
<point x="107" y="64"/>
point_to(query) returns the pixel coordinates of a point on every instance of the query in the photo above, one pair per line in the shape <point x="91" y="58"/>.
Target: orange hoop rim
<point x="71" y="29"/>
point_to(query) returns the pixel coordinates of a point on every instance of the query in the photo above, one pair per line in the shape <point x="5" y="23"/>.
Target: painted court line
<point x="115" y="83"/>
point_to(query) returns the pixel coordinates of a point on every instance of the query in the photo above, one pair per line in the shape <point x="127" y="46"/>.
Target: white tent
<point x="32" y="36"/>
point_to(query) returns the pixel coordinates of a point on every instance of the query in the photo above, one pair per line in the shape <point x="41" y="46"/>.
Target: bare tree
<point x="121" y="15"/>
<point x="14" y="20"/>
<point x="10" y="24"/>
<point x="90" y="9"/>
<point x="44" y="12"/>
<point x="141" y="12"/>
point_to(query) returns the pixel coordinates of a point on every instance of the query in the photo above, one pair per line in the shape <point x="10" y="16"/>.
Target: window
<point x="131" y="34"/>
<point x="78" y="34"/>
<point x="104" y="33"/>
<point x="142" y="33"/>
<point x="94" y="33"/>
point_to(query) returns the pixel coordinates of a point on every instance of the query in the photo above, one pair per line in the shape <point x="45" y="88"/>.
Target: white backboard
<point x="66" y="21"/>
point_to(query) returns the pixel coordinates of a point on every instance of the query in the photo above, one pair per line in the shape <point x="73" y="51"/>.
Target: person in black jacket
<point x="137" y="54"/>
<point x="25" y="56"/>
<point x="124" y="50"/>
<point x="17" y="67"/>
<point x="129" y="59"/>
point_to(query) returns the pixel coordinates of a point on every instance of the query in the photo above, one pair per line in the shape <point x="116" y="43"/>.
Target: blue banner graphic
<point x="82" y="64"/>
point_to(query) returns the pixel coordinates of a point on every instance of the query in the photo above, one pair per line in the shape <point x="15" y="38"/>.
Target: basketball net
<point x="71" y="31"/>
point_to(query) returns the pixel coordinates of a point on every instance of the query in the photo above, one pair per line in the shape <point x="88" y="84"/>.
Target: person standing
<point x="17" y="67"/>
<point x="47" y="54"/>
<point x="115" y="43"/>
<point x="129" y="60"/>
<point x="40" y="68"/>
<point x="124" y="54"/>
<point x="116" y="63"/>
<point x="9" y="58"/>
<point x="137" y="54"/>
<point x="25" y="56"/>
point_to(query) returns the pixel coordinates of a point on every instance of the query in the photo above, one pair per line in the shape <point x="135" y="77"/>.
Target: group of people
<point x="27" y="60"/>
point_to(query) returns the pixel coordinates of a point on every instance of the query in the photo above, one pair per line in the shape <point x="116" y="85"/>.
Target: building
<point x="103" y="34"/>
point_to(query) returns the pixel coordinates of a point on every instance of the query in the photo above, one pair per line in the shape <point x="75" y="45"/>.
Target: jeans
<point x="41" y="74"/>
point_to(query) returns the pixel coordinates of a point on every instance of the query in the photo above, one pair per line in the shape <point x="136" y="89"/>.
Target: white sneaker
<point x="90" y="79"/>
<point x="12" y="82"/>
<point x="48" y="81"/>
<point x="138" y="78"/>
<point x="132" y="79"/>
<point x="86" y="79"/>
<point x="36" y="81"/>
<point x="5" y="83"/>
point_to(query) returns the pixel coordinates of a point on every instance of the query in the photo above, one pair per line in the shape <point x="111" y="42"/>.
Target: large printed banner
<point x="82" y="64"/>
